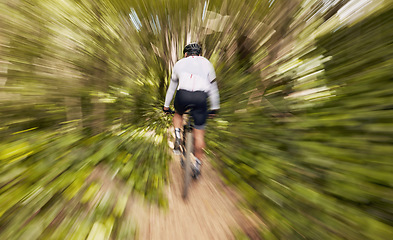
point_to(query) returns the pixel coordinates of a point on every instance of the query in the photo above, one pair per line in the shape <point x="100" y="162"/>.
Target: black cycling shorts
<point x="197" y="101"/>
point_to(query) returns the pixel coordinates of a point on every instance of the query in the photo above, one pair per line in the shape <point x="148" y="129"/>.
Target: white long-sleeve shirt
<point x="194" y="73"/>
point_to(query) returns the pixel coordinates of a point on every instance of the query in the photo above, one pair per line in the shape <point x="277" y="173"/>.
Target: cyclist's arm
<point x="213" y="89"/>
<point x="171" y="90"/>
<point x="214" y="96"/>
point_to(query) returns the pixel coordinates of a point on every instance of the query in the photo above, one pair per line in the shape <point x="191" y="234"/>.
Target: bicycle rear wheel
<point x="187" y="163"/>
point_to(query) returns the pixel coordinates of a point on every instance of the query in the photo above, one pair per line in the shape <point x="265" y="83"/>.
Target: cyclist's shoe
<point x="176" y="148"/>
<point x="195" y="172"/>
<point x="196" y="169"/>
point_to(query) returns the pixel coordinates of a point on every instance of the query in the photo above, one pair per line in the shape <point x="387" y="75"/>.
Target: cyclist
<point x="194" y="78"/>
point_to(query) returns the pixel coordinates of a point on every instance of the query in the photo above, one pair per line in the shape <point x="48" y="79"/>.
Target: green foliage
<point x="304" y="131"/>
<point x="318" y="167"/>
<point x="52" y="177"/>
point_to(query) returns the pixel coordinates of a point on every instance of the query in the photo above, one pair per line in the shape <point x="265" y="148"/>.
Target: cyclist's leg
<point x="177" y="120"/>
<point x="199" y="114"/>
<point x="180" y="104"/>
<point x="199" y="143"/>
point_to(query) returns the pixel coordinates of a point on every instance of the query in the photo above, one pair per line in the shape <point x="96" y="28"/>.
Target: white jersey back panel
<point x="194" y="73"/>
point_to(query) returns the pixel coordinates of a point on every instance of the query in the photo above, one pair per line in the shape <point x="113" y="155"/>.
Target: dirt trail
<point x="210" y="212"/>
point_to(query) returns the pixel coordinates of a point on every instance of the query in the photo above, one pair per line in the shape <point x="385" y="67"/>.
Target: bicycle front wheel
<point x="187" y="163"/>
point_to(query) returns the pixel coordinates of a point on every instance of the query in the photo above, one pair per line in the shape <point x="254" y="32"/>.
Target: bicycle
<point x="186" y="150"/>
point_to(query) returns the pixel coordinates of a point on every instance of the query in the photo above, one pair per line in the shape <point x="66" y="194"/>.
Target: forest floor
<point x="212" y="210"/>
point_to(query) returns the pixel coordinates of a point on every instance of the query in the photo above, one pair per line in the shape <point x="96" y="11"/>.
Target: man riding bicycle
<point x="194" y="78"/>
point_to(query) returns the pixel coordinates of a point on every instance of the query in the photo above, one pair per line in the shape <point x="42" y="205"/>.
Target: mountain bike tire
<point x="187" y="163"/>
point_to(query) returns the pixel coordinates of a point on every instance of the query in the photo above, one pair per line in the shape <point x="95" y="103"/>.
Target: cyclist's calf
<point x="177" y="120"/>
<point x="199" y="143"/>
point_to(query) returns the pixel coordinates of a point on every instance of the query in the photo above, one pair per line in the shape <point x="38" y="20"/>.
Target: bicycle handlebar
<point x="209" y="112"/>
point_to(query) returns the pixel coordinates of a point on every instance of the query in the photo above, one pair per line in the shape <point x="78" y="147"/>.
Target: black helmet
<point x="192" y="48"/>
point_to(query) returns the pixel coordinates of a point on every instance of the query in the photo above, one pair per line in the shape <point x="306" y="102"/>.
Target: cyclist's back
<point x="194" y="73"/>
